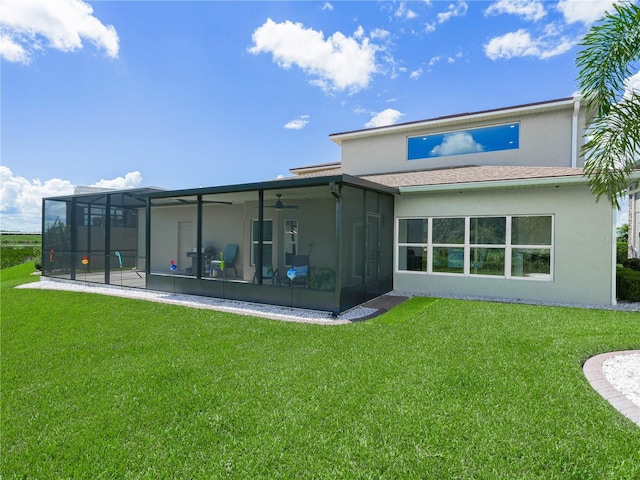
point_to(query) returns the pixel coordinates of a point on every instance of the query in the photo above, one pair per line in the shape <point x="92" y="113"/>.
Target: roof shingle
<point x="471" y="174"/>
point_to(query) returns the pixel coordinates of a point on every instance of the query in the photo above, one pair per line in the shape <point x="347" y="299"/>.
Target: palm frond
<point x="612" y="147"/>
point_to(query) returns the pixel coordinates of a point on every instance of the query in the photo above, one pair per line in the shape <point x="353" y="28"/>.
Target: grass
<point x="104" y="387"/>
<point x="18" y="248"/>
<point x="20" y="239"/>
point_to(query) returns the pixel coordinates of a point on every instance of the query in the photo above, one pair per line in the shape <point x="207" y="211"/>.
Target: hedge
<point x="10" y="256"/>
<point x="622" y="251"/>
<point x="627" y="284"/>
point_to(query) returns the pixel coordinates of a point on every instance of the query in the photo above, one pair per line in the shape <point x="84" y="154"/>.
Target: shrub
<point x="323" y="277"/>
<point x="628" y="284"/>
<point x="12" y="256"/>
<point x="632" y="263"/>
<point x="622" y="251"/>
<point x="37" y="260"/>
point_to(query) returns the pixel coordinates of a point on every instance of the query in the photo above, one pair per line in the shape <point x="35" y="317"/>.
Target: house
<point x="634" y="221"/>
<point x="490" y="203"/>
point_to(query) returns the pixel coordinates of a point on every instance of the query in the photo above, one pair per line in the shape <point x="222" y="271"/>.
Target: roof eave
<point x="280" y="184"/>
<point x="496" y="184"/>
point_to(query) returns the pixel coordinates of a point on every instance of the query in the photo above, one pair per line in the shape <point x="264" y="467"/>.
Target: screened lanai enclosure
<point x="322" y="243"/>
<point x="95" y="237"/>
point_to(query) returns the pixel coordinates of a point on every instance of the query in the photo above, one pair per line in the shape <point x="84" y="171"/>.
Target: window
<point x="507" y="246"/>
<point x="123" y="218"/>
<point x="290" y="238"/>
<point x="448" y="244"/>
<point x="477" y="140"/>
<point x="267" y="241"/>
<point x="531" y="252"/>
<point x="93" y="216"/>
<point x="487" y="239"/>
<point x="413" y="235"/>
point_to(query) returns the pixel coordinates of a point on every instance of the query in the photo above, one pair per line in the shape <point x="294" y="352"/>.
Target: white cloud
<point x="434" y="60"/>
<point x="21" y="199"/>
<point x="430" y="27"/>
<point x="327" y="6"/>
<point x="632" y="86"/>
<point x="337" y="63"/>
<point x="531" y="10"/>
<point x="380" y="34"/>
<point x="130" y="180"/>
<point x="64" y="24"/>
<point x="586" y="12"/>
<point x="457" y="144"/>
<point x="297" y="124"/>
<point x="453" y="10"/>
<point x="521" y="44"/>
<point x="404" y="12"/>
<point x="12" y="51"/>
<point x="386" y="117"/>
<point x="416" y="74"/>
<point x="440" y="58"/>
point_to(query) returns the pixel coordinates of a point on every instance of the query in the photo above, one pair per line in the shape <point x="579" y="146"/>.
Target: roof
<point x="322" y="167"/>
<point x="460" y="118"/>
<point x="297" y="181"/>
<point x="470" y="177"/>
<point x="337" y="170"/>
<point x="473" y="174"/>
<point x="89" y="195"/>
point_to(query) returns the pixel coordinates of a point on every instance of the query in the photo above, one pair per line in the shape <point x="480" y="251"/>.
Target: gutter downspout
<point x="614" y="280"/>
<point x="574" y="133"/>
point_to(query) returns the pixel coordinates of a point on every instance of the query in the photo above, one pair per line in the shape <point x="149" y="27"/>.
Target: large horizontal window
<point x="506" y="246"/>
<point x="461" y="142"/>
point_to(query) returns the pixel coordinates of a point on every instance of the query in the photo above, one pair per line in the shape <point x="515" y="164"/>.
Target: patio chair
<point x="229" y="255"/>
<point x="268" y="274"/>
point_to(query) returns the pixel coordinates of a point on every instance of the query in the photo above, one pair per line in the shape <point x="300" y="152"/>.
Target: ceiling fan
<point x="279" y="205"/>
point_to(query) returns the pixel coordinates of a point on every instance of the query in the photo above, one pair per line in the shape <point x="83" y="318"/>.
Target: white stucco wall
<point x="545" y="140"/>
<point x="164" y="236"/>
<point x="583" y="243"/>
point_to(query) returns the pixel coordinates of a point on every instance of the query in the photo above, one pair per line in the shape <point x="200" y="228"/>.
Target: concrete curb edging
<point x="592" y="369"/>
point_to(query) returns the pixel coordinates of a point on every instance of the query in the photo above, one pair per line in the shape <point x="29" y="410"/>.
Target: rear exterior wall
<point x="545" y="140"/>
<point x="582" y="269"/>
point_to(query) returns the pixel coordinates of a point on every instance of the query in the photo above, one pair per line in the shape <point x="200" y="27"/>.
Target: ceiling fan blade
<point x="279" y="205"/>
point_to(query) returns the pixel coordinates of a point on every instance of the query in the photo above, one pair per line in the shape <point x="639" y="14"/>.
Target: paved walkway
<point x="593" y="370"/>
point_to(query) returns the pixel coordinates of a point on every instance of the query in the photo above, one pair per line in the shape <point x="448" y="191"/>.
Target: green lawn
<point x="104" y="387"/>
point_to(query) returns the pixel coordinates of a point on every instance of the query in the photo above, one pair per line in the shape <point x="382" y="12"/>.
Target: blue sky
<point x="200" y="93"/>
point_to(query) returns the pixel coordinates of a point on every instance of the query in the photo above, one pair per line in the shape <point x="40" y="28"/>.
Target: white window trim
<point x="286" y="242"/>
<point x="507" y="246"/>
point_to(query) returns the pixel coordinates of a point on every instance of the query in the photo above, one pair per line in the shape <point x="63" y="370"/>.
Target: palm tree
<point x="612" y="145"/>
